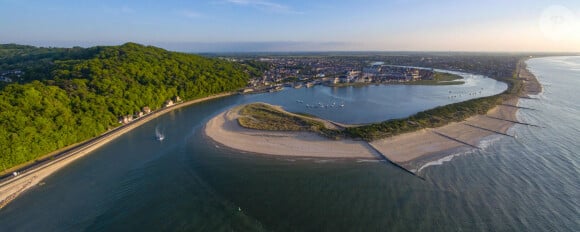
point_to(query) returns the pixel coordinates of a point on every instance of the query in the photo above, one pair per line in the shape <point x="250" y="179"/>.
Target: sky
<point x="297" y="25"/>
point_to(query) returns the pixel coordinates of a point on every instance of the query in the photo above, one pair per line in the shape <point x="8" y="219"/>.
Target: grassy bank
<point x="265" y="117"/>
<point x="436" y="117"/>
<point x="262" y="116"/>
<point x="440" y="78"/>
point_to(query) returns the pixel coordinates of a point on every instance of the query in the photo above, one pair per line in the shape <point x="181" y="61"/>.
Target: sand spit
<point x="224" y="129"/>
<point x="410" y="150"/>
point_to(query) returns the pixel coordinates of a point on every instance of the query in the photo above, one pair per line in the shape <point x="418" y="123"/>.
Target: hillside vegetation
<point x="70" y="95"/>
<point x="263" y="116"/>
<point x="432" y="118"/>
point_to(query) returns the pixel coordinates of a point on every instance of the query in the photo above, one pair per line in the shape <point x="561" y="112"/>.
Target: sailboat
<point x="159" y="135"/>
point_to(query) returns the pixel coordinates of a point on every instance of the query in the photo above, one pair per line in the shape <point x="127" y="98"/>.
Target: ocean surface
<point x="188" y="183"/>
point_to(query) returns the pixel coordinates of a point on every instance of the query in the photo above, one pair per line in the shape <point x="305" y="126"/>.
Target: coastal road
<point x="11" y="186"/>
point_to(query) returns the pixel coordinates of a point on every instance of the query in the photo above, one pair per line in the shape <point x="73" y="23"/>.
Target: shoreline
<point x="12" y="186"/>
<point x="410" y="150"/>
<point x="225" y="130"/>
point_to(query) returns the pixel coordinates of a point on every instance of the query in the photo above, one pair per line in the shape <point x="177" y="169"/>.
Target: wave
<point x="484" y="144"/>
<point x="440" y="161"/>
<point x="322" y="161"/>
<point x="368" y="161"/>
<point x="488" y="141"/>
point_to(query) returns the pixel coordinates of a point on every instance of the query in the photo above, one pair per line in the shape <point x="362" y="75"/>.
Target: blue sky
<point x="276" y="25"/>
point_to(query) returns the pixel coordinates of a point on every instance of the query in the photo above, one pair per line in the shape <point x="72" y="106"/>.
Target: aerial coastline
<point x="410" y="150"/>
<point x="273" y="115"/>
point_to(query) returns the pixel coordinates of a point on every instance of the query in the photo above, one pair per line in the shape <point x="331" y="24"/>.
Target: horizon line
<point x="105" y="44"/>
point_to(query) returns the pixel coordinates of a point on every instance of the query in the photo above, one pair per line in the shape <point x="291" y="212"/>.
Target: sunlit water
<point x="186" y="182"/>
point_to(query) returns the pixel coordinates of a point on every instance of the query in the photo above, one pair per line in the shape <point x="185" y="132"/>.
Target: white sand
<point x="225" y="130"/>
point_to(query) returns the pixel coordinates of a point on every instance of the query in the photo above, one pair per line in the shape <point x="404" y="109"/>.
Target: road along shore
<point x="11" y="187"/>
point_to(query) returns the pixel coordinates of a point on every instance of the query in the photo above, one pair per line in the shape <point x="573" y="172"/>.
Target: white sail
<point x="159" y="135"/>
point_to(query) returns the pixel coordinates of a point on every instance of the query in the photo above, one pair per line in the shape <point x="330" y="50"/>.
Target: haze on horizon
<point x="299" y="25"/>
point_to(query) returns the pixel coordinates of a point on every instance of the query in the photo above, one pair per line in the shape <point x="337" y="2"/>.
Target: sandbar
<point x="225" y="129"/>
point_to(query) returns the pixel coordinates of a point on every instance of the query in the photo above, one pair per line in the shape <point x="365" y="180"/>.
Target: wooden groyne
<point x="519" y="107"/>
<point x="483" y="128"/>
<point x="454" y="139"/>
<point x="383" y="157"/>
<point x="507" y="120"/>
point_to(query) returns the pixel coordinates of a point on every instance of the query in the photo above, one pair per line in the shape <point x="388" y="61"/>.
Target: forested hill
<point x="64" y="96"/>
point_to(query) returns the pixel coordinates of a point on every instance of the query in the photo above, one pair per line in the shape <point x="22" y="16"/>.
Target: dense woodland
<point x="67" y="95"/>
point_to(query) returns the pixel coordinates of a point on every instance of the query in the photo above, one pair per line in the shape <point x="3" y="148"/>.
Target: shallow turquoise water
<point x="188" y="183"/>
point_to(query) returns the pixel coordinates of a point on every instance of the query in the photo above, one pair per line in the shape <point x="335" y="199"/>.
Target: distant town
<point x="278" y="72"/>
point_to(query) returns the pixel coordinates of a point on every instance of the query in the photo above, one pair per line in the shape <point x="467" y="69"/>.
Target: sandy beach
<point x="410" y="150"/>
<point x="225" y="130"/>
<point x="414" y="149"/>
<point x="12" y="187"/>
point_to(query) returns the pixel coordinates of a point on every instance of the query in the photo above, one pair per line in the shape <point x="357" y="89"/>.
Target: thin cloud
<point x="127" y="10"/>
<point x="123" y="10"/>
<point x="191" y="14"/>
<point x="265" y="5"/>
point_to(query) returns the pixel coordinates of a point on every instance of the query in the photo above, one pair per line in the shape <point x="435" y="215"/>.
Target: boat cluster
<point x="321" y="105"/>
<point x="464" y="92"/>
